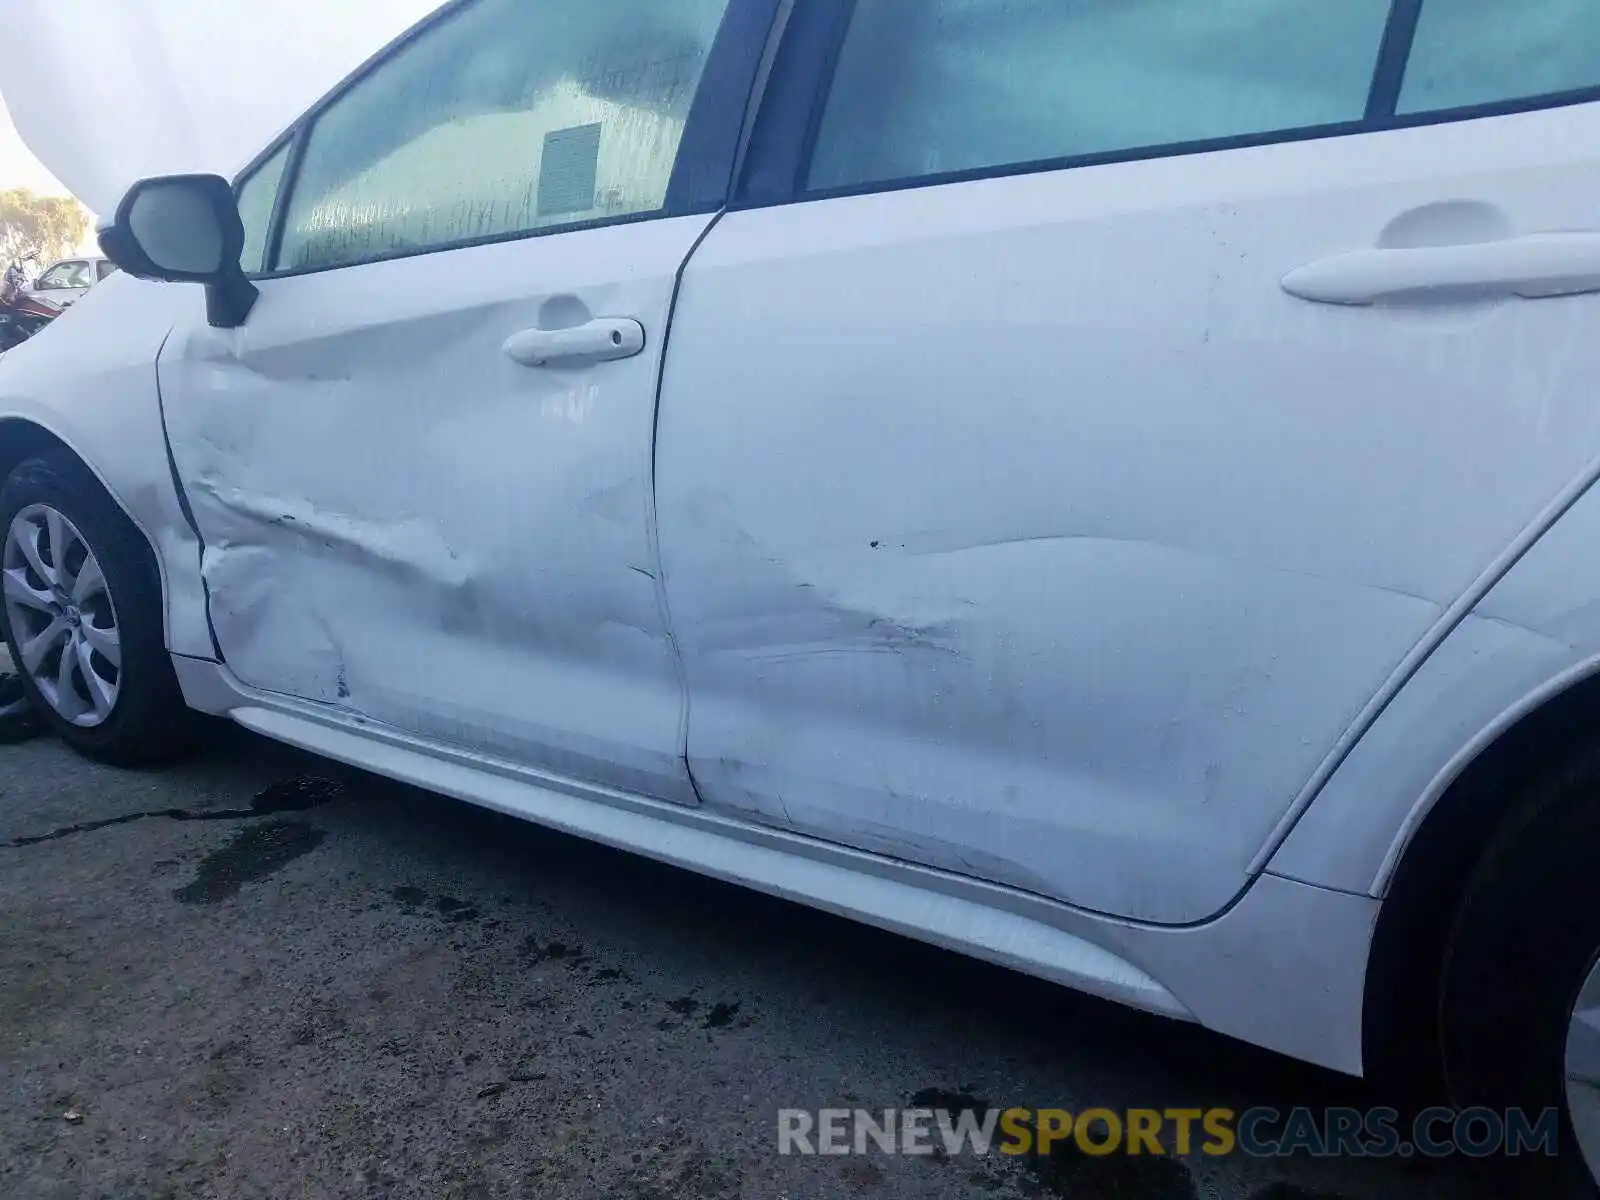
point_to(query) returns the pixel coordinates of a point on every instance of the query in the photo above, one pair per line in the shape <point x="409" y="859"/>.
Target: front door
<point x="422" y="467"/>
<point x="1097" y="403"/>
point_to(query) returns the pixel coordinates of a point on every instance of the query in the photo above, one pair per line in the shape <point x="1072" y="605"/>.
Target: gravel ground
<point x="257" y="975"/>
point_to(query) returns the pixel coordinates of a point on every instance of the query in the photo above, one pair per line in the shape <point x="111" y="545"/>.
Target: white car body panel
<point x="90" y="381"/>
<point x="1536" y="634"/>
<point x="1304" y="948"/>
<point x="375" y="473"/>
<point x="1084" y="544"/>
<point x="1037" y="572"/>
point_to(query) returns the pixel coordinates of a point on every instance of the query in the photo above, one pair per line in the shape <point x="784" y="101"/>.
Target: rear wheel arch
<point x="1425" y="891"/>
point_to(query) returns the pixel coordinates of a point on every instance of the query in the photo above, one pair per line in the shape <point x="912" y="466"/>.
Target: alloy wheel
<point x="1583" y="1069"/>
<point x="62" y="616"/>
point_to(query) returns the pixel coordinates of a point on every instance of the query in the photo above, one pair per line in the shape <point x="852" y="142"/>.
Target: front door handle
<point x="1533" y="267"/>
<point x="601" y="340"/>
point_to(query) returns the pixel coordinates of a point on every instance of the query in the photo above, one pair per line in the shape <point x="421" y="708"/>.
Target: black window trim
<point x="702" y="177"/>
<point x="790" y="117"/>
<point x="1394" y="52"/>
<point x="285" y="141"/>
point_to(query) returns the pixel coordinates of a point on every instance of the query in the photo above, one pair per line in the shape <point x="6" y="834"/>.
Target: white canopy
<point x="105" y="92"/>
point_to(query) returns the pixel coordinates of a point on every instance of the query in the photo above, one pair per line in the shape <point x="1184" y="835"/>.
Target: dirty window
<point x="926" y="87"/>
<point x="1487" y="51"/>
<point x="258" y="195"/>
<point x="507" y="117"/>
<point x="66" y="275"/>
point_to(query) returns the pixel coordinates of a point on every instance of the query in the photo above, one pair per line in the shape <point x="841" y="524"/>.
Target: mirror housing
<point x="185" y="229"/>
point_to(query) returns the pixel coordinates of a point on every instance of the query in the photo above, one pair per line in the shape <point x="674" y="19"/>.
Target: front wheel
<point x="82" y="616"/>
<point x="1520" y="1004"/>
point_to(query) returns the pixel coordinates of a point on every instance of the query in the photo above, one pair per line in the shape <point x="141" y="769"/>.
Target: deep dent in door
<point x="824" y="623"/>
<point x="314" y="593"/>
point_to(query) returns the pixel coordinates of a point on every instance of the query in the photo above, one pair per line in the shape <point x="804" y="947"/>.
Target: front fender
<point x="1532" y="636"/>
<point x="89" y="381"/>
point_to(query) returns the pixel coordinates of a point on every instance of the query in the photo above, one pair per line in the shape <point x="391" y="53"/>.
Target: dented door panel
<point x="1042" y="536"/>
<point x="403" y="522"/>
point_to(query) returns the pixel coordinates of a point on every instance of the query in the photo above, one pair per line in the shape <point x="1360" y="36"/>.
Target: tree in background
<point x="49" y="226"/>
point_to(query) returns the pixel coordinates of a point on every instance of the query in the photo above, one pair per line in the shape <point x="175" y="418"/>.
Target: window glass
<point x="66" y="275"/>
<point x="925" y="87"/>
<point x="258" y="194"/>
<point x="507" y="117"/>
<point x="1486" y="51"/>
<point x="105" y="267"/>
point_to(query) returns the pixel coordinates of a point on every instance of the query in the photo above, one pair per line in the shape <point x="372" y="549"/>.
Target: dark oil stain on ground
<point x="290" y="795"/>
<point x="297" y="795"/>
<point x="253" y="855"/>
<point x="452" y="909"/>
<point x="721" y="1015"/>
<point x="413" y="900"/>
<point x="533" y="952"/>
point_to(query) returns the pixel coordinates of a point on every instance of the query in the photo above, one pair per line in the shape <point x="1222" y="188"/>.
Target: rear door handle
<point x="1533" y="267"/>
<point x="601" y="340"/>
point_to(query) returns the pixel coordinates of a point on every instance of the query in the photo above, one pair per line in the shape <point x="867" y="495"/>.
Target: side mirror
<point x="185" y="229"/>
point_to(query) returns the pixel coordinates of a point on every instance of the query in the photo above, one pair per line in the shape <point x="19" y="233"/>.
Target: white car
<point x="1104" y="487"/>
<point x="65" y="283"/>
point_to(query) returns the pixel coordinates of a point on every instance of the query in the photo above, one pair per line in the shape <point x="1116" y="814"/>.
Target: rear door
<point x="1094" y="404"/>
<point x="421" y="469"/>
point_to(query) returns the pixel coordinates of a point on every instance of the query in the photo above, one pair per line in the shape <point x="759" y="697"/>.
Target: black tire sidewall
<point x="147" y="722"/>
<point x="1524" y="940"/>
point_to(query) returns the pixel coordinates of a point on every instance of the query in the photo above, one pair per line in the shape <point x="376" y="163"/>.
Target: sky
<point x="19" y="168"/>
<point x="189" y="85"/>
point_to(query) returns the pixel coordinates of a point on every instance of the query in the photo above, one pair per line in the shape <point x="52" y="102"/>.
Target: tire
<point x="1523" y="943"/>
<point x="147" y="721"/>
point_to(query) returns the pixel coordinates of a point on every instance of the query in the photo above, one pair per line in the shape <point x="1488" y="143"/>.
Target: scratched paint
<point x="404" y="524"/>
<point x="1054" y="542"/>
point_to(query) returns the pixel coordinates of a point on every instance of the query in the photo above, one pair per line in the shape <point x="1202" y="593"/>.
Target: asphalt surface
<point x="257" y="975"/>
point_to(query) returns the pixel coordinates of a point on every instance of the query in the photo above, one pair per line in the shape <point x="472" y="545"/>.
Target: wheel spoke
<point x="90" y="581"/>
<point x="106" y="641"/>
<point x="37" y="647"/>
<point x="67" y="701"/>
<point x="58" y="544"/>
<point x="18" y="588"/>
<point x="27" y="539"/>
<point x="1583" y="1047"/>
<point x="101" y="693"/>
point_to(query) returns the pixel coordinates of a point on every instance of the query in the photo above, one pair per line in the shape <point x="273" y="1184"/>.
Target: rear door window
<point x="1471" y="52"/>
<point x="928" y="89"/>
<point x="931" y="87"/>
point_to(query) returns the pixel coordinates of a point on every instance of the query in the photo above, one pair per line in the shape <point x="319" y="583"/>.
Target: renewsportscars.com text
<point x="1257" y="1132"/>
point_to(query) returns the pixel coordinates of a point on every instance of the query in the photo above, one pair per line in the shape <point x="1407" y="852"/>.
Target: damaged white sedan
<point x="1105" y="487"/>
